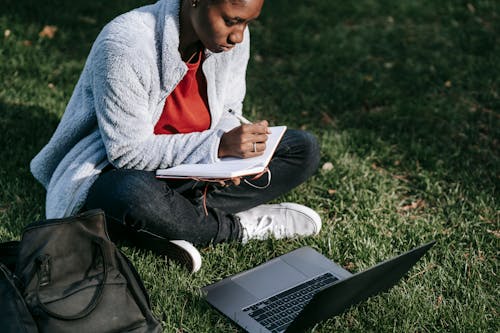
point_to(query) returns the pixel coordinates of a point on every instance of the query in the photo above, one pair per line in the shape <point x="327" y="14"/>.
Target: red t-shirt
<point x="186" y="108"/>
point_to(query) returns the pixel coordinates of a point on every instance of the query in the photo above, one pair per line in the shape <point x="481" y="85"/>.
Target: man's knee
<point x="310" y="152"/>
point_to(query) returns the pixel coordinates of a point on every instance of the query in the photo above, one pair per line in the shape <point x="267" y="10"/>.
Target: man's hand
<point x="236" y="181"/>
<point x="245" y="141"/>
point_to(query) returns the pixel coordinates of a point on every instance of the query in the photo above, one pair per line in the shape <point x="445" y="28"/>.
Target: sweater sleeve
<point x="121" y="97"/>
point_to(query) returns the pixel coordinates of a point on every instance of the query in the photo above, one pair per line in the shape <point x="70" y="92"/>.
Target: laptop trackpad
<point x="269" y="278"/>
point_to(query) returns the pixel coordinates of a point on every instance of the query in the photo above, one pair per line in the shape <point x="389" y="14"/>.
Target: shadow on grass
<point x="24" y="129"/>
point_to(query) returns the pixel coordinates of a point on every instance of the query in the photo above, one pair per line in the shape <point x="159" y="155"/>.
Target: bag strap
<point x="44" y="278"/>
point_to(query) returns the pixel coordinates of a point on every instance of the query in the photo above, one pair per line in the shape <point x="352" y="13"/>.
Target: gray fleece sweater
<point x="132" y="67"/>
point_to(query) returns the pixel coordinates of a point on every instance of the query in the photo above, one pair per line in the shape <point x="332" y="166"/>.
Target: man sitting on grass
<point x="155" y="92"/>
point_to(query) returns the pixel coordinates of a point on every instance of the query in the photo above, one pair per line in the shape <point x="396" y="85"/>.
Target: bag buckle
<point x="43" y="270"/>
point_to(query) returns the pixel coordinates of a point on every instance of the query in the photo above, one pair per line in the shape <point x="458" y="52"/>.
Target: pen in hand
<point x="242" y="119"/>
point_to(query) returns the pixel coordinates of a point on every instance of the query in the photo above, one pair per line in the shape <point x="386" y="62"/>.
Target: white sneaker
<point x="184" y="253"/>
<point x="282" y="220"/>
<point x="180" y="251"/>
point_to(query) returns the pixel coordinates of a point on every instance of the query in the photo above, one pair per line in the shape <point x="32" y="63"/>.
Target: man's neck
<point x="189" y="42"/>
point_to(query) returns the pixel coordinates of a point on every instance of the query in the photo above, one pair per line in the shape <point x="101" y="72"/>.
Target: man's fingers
<point x="251" y="137"/>
<point x="257" y="147"/>
<point x="259" y="137"/>
<point x="252" y="149"/>
<point x="263" y="123"/>
<point x="256" y="128"/>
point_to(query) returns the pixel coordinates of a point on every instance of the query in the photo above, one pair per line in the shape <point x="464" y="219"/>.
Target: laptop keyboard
<point x="277" y="312"/>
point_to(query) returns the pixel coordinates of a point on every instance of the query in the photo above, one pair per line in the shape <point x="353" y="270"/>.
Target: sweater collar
<point x="167" y="28"/>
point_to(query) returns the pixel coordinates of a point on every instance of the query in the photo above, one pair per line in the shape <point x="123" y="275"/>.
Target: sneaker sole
<point x="181" y="252"/>
<point x="185" y="254"/>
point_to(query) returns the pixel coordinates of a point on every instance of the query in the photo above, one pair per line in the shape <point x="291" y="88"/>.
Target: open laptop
<point x="299" y="289"/>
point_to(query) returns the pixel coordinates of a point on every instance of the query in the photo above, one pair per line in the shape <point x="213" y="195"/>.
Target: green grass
<point x="404" y="97"/>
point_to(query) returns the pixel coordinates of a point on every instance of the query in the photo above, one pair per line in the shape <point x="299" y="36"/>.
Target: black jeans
<point x="139" y="205"/>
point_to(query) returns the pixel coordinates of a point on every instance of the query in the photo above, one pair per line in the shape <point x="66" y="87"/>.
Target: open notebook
<point x="228" y="167"/>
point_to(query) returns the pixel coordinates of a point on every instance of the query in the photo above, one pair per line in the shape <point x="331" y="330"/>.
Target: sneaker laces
<point x="264" y="226"/>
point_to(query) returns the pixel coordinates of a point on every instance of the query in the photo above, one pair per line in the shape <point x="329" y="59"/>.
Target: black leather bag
<point x="74" y="279"/>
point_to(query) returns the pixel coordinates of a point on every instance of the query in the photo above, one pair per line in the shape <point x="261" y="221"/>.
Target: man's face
<point x="220" y="24"/>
